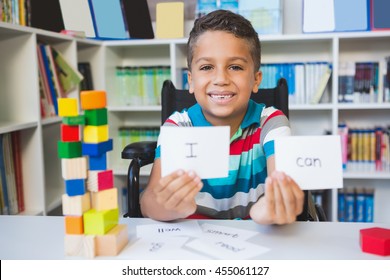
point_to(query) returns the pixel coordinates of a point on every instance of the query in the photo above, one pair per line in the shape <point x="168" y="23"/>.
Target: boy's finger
<point x="165" y="181"/>
<point x="289" y="199"/>
<point x="270" y="196"/>
<point x="182" y="194"/>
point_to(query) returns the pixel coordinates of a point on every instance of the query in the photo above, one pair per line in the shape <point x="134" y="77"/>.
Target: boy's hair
<point x="223" y="20"/>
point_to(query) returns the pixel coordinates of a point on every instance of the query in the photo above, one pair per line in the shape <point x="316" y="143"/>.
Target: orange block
<point x="74" y="225"/>
<point x="93" y="99"/>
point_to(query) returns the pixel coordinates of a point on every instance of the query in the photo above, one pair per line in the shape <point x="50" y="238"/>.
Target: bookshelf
<point x="20" y="111"/>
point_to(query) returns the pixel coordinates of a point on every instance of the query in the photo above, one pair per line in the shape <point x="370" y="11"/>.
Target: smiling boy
<point x="224" y="61"/>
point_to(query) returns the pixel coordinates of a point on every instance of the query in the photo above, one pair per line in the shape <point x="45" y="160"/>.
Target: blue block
<point x="98" y="162"/>
<point x="75" y="187"/>
<point x="96" y="149"/>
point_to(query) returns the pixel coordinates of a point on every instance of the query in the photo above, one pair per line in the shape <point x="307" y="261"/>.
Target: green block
<point x="96" y="117"/>
<point x="100" y="222"/>
<point x="77" y="120"/>
<point x="69" y="149"/>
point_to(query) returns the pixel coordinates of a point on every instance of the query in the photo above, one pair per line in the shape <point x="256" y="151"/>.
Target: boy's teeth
<point x="221" y="96"/>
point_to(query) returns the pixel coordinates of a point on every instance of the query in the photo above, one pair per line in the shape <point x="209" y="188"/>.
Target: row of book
<point x="57" y="77"/>
<point x="355" y="204"/>
<point x="140" y="85"/>
<point x="11" y="178"/>
<point x="365" y="149"/>
<point x="14" y="11"/>
<point x="307" y="81"/>
<point x="364" y="82"/>
<point x="127" y="134"/>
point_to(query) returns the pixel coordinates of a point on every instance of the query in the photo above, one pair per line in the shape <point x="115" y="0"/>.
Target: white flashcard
<point x="314" y="162"/>
<point x="162" y="229"/>
<point x="167" y="248"/>
<point x="227" y="249"/>
<point x="223" y="232"/>
<point x="204" y="150"/>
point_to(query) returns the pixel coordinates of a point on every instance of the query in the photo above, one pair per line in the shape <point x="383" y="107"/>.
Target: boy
<point x="223" y="61"/>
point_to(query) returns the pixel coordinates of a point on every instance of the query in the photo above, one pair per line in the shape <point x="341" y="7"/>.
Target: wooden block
<point x="100" y="222"/>
<point x="67" y="107"/>
<point x="105" y="200"/>
<point x="98" y="162"/>
<point x="74" y="168"/>
<point x="76" y="120"/>
<point x="113" y="242"/>
<point x="69" y="149"/>
<point x="74" y="225"/>
<point x="76" y="205"/>
<point x="96" y="149"/>
<point x="170" y="20"/>
<point x="70" y="133"/>
<point x="96" y="117"/>
<point x="93" y="99"/>
<point x="100" y="180"/>
<point x="75" y="187"/>
<point x="74" y="245"/>
<point x="95" y="134"/>
<point x="89" y="245"/>
<point x="375" y="240"/>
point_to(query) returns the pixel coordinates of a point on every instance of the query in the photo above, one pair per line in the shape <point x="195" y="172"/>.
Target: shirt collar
<point x="252" y="115"/>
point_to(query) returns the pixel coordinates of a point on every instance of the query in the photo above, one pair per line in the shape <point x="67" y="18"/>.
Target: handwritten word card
<point x="223" y="232"/>
<point x="227" y="249"/>
<point x="162" y="229"/>
<point x="204" y="150"/>
<point x="314" y="162"/>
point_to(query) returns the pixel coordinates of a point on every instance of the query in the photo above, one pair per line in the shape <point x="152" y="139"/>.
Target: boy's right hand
<point x="176" y="193"/>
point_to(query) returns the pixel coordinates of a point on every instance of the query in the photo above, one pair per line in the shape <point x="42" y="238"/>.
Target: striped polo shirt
<point x="250" y="146"/>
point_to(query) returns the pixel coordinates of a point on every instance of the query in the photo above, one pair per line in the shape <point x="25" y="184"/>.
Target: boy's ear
<point x="258" y="79"/>
<point x="189" y="78"/>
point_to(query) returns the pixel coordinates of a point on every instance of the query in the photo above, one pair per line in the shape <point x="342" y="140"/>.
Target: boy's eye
<point x="236" y="67"/>
<point x="205" y="68"/>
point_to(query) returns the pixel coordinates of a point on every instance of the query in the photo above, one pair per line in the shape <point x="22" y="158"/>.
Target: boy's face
<point x="222" y="77"/>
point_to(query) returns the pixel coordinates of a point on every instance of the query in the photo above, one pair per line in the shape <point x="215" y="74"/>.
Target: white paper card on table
<point x="223" y="232"/>
<point x="204" y="150"/>
<point x="161" y="229"/>
<point x="153" y="247"/>
<point x="318" y="16"/>
<point x="314" y="162"/>
<point x="227" y="249"/>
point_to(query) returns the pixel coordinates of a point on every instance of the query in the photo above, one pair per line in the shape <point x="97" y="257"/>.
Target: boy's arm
<point x="171" y="197"/>
<point x="282" y="200"/>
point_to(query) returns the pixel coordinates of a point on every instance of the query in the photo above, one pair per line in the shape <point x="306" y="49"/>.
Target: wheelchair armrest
<point x="143" y="151"/>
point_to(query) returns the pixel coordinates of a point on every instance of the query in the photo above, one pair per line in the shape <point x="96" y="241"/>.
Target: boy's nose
<point x="221" y="77"/>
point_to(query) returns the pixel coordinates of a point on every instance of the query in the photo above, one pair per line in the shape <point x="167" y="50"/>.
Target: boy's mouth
<point x="221" y="96"/>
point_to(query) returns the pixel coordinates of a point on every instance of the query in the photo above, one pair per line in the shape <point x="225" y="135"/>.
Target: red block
<point x="375" y="240"/>
<point x="70" y="133"/>
<point x="105" y="180"/>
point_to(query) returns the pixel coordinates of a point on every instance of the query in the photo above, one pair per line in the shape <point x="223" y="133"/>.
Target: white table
<point x="42" y="237"/>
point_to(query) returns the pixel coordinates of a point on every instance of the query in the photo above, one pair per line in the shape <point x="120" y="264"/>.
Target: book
<point x="347" y="19"/>
<point x="85" y="70"/>
<point x="77" y="16"/>
<point x="10" y="174"/>
<point x="170" y="20"/>
<point x="54" y="72"/>
<point x="3" y="177"/>
<point x="137" y="18"/>
<point x="321" y="86"/>
<point x="46" y="99"/>
<point x="17" y="159"/>
<point x="69" y="76"/>
<point x="48" y="76"/>
<point x="46" y="14"/>
<point x="108" y="19"/>
<point x="318" y="16"/>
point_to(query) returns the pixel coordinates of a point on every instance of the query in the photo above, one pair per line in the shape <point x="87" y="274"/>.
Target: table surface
<point x="42" y="237"/>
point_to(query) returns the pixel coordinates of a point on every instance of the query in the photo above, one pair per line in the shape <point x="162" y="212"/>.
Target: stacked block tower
<point x="90" y="202"/>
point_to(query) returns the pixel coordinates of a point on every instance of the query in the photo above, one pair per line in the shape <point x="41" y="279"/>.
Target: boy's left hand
<point x="281" y="203"/>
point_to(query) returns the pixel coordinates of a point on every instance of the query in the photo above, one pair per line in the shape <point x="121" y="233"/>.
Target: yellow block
<point x="67" y="107"/>
<point x="95" y="134"/>
<point x="100" y="222"/>
<point x="105" y="200"/>
<point x="113" y="242"/>
<point x="93" y="99"/>
<point x="75" y="205"/>
<point x="170" y="20"/>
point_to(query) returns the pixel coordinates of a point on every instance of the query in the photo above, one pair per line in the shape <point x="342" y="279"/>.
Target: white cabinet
<point x="20" y="110"/>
